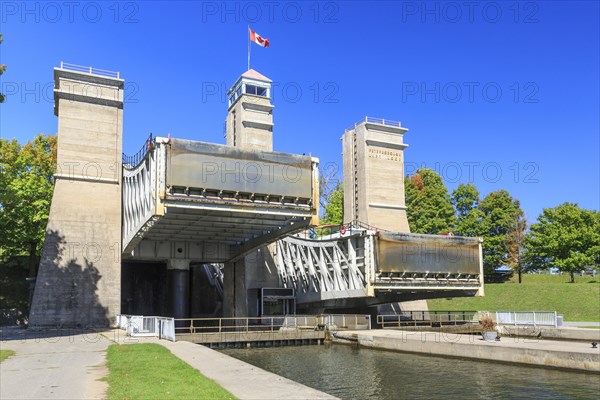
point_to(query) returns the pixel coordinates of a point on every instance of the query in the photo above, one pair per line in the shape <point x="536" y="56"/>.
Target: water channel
<point x="349" y="372"/>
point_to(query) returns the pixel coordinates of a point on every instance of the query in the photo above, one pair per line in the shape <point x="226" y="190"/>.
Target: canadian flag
<point x="256" y="38"/>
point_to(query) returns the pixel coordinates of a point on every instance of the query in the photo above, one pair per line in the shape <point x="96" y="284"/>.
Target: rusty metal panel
<point x="414" y="253"/>
<point x="218" y="167"/>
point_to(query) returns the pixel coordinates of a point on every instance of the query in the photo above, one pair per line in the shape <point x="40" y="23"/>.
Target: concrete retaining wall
<point x="554" y="354"/>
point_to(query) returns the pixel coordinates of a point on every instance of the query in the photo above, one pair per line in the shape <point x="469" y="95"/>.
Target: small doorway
<point x="277" y="302"/>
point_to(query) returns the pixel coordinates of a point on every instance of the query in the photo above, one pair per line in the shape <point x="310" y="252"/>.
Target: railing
<point x="89" y="70"/>
<point x="141" y="187"/>
<point x="535" y="318"/>
<point x="427" y="318"/>
<point x="152" y="326"/>
<point x="272" y="324"/>
<point x="363" y="225"/>
<point x="380" y="121"/>
<point x="221" y="325"/>
<point x="132" y="161"/>
<point x="351" y="322"/>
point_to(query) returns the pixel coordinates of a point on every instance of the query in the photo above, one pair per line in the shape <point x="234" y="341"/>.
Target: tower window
<point x="256" y="90"/>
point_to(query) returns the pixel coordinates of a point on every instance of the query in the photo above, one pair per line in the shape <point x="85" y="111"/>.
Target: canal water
<point x="349" y="372"/>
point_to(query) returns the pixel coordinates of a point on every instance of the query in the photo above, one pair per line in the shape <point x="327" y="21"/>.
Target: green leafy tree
<point x="566" y="237"/>
<point x="499" y="212"/>
<point x="2" y="69"/>
<point x="26" y="185"/>
<point x="465" y="199"/>
<point x="429" y="208"/>
<point x="334" y="209"/>
<point x="516" y="239"/>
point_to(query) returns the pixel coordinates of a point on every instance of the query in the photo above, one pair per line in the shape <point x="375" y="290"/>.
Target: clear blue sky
<point x="500" y="94"/>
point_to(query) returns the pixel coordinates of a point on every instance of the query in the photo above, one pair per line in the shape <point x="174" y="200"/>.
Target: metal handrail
<point x="229" y="324"/>
<point x="268" y="324"/>
<point x="132" y="161"/>
<point x="146" y="325"/>
<point x="381" y="121"/>
<point x="535" y="318"/>
<point x="408" y="318"/>
<point x="90" y="70"/>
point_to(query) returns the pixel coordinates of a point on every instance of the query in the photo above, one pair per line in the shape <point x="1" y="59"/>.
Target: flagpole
<point x="249" y="47"/>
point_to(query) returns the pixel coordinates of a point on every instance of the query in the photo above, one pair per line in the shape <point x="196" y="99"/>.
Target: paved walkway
<point x="575" y="324"/>
<point x="53" y="364"/>
<point x="70" y="364"/>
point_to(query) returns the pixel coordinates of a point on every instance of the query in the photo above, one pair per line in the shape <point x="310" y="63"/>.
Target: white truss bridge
<point x="368" y="264"/>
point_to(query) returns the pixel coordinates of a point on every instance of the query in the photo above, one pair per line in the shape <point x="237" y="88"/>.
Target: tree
<point x="2" y="69"/>
<point x="26" y="185"/>
<point x="499" y="212"/>
<point x="516" y="238"/>
<point x="328" y="183"/>
<point x="465" y="199"/>
<point x="428" y="204"/>
<point x="566" y="237"/>
<point x="334" y="209"/>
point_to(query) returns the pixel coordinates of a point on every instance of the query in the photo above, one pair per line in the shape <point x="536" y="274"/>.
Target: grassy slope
<point x="150" y="371"/>
<point x="4" y="354"/>
<point x="579" y="301"/>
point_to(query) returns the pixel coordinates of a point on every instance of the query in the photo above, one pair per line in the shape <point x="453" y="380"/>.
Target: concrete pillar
<point x="243" y="280"/>
<point x="235" y="293"/>
<point x="178" y="272"/>
<point x="79" y="278"/>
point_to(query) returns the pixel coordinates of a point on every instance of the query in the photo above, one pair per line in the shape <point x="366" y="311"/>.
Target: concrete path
<point x="53" y="364"/>
<point x="241" y="379"/>
<point x="71" y="364"/>
<point x="575" y="324"/>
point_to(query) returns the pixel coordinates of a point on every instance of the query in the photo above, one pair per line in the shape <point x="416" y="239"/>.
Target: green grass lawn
<point x="150" y="371"/>
<point x="579" y="301"/>
<point x="4" y="354"/>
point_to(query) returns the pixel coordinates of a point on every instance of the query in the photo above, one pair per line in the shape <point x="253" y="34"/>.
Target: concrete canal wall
<point x="547" y="353"/>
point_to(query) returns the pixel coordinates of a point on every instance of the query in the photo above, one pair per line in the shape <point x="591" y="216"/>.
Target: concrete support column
<point x="178" y="272"/>
<point x="234" y="287"/>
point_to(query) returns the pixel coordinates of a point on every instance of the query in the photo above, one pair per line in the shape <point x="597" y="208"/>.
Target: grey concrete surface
<point x="547" y="353"/>
<point x="576" y="324"/>
<point x="561" y="333"/>
<point x="241" y="379"/>
<point x="52" y="364"/>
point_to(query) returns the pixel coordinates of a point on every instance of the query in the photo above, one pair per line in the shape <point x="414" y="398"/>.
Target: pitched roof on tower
<point x="252" y="74"/>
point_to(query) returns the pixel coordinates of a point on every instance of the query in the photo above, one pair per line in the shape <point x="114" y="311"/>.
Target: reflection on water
<point x="357" y="373"/>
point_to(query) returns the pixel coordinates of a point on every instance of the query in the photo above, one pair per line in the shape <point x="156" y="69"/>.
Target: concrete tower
<point x="249" y="125"/>
<point x="249" y="121"/>
<point x="79" y="279"/>
<point x="373" y="154"/>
